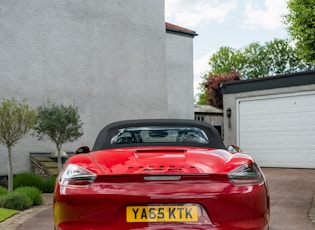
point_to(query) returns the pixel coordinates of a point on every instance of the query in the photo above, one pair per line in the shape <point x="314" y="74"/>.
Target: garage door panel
<point x="298" y="159"/>
<point x="291" y="137"/>
<point x="279" y="131"/>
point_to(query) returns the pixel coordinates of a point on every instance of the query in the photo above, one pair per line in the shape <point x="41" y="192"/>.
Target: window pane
<point x="159" y="134"/>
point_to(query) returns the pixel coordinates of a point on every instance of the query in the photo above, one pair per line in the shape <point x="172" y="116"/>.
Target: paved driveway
<point x="291" y="193"/>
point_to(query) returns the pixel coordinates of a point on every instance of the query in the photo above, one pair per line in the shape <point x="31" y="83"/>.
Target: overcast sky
<point x="234" y="23"/>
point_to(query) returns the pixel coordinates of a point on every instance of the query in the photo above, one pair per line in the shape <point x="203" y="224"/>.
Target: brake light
<point x="247" y="174"/>
<point x="74" y="175"/>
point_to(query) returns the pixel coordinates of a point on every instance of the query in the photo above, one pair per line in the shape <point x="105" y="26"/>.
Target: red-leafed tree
<point x="213" y="89"/>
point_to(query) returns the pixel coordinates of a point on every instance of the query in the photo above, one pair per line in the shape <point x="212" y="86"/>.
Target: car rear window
<point x="158" y="134"/>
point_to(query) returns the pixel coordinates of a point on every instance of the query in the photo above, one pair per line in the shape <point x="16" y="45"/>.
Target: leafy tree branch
<point x="58" y="123"/>
<point x="16" y="120"/>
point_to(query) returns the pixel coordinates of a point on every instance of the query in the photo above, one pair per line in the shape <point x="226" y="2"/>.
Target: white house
<point x="114" y="59"/>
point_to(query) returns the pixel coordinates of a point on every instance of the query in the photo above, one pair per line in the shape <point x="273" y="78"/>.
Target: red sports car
<point x="160" y="174"/>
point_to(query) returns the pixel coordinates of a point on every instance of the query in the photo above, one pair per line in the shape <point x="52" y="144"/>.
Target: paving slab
<point x="42" y="221"/>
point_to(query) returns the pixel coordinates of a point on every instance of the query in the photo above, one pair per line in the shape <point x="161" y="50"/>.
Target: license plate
<point x="162" y="214"/>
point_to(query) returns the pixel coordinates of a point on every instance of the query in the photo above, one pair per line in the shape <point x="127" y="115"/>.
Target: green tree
<point x="249" y="61"/>
<point x="254" y="63"/>
<point x="225" y="60"/>
<point x="255" y="60"/>
<point x="16" y="120"/>
<point x="60" y="124"/>
<point x="201" y="98"/>
<point x="301" y="26"/>
<point x="287" y="62"/>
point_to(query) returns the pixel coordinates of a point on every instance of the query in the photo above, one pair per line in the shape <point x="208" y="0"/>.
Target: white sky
<point x="234" y="23"/>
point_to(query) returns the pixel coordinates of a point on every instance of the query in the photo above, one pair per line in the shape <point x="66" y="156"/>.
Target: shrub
<point x="34" y="180"/>
<point x="3" y="191"/>
<point x="16" y="201"/>
<point x="48" y="185"/>
<point x="27" y="179"/>
<point x="32" y="192"/>
<point x="2" y="200"/>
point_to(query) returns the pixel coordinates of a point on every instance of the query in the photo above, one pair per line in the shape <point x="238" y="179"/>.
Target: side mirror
<point x="82" y="149"/>
<point x="234" y="149"/>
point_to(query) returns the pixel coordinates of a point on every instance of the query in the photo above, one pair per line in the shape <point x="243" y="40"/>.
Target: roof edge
<point x="179" y="30"/>
<point x="270" y="82"/>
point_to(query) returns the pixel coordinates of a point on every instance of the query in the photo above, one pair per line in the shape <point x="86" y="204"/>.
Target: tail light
<point x="74" y="175"/>
<point x="247" y="174"/>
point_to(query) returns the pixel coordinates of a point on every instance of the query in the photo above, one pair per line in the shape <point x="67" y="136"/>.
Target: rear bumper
<point x="103" y="205"/>
<point x="158" y="227"/>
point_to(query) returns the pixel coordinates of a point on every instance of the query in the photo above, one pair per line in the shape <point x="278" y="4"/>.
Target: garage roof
<point x="207" y="109"/>
<point x="280" y="81"/>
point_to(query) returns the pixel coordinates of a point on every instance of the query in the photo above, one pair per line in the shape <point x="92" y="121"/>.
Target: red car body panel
<point x="121" y="182"/>
<point x="158" y="159"/>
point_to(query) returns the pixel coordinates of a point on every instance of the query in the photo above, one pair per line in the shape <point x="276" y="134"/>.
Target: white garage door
<point x="278" y="131"/>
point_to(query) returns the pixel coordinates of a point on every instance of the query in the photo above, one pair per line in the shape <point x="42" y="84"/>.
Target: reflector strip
<point x="162" y="178"/>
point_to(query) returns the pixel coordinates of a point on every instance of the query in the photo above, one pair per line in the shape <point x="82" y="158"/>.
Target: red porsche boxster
<point x="160" y="174"/>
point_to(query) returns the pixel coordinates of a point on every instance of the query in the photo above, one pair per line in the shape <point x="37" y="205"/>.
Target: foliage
<point x="201" y="97"/>
<point x="34" y="180"/>
<point x="7" y="213"/>
<point x="3" y="191"/>
<point x="16" y="201"/>
<point x="58" y="123"/>
<point x="48" y="185"/>
<point x="27" y="179"/>
<point x="21" y="198"/>
<point x="212" y="85"/>
<point x="32" y="192"/>
<point x="287" y="62"/>
<point x="225" y="60"/>
<point x="16" y="120"/>
<point x="255" y="60"/>
<point x="301" y="26"/>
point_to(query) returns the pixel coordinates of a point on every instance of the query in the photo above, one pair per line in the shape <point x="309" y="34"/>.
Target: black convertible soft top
<point x="104" y="138"/>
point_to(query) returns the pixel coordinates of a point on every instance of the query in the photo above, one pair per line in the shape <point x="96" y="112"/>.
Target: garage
<point x="279" y="131"/>
<point x="272" y="119"/>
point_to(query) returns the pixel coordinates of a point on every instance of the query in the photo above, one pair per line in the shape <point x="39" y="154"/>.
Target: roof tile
<point x="179" y="29"/>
